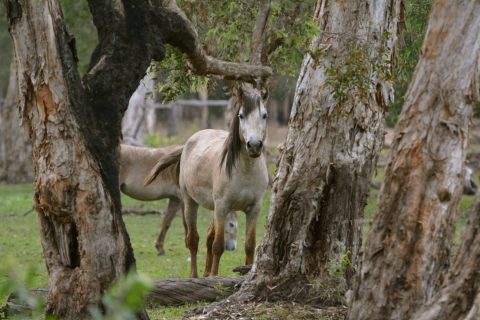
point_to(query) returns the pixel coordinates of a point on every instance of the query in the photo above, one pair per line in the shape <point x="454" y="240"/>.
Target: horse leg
<point x="250" y="234"/>
<point x="218" y="245"/>
<point x="191" y="239"/>
<point x="174" y="205"/>
<point x="210" y="239"/>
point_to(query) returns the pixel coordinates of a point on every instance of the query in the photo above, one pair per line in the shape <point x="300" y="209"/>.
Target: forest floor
<point x="20" y="248"/>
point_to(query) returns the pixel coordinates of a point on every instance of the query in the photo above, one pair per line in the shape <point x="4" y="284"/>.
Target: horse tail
<point x="172" y="158"/>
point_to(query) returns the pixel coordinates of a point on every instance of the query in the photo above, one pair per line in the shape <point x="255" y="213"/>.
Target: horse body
<point x="136" y="163"/>
<point x="225" y="171"/>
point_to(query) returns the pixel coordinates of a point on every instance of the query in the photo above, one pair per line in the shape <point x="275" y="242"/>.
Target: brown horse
<point x="222" y="171"/>
<point x="135" y="164"/>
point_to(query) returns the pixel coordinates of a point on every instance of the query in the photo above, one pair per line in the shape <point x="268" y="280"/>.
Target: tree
<point x="459" y="296"/>
<point x="410" y="43"/>
<point x="407" y="251"/>
<point x="15" y="150"/>
<point x="325" y="166"/>
<point x="74" y="127"/>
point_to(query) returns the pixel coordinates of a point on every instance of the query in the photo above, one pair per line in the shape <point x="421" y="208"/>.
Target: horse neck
<point x="247" y="163"/>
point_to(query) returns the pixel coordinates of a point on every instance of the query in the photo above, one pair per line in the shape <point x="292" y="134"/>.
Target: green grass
<point x="20" y="239"/>
<point x="20" y="242"/>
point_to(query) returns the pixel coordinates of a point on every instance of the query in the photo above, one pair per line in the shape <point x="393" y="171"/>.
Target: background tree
<point x="410" y="42"/>
<point x="325" y="166"/>
<point x="15" y="150"/>
<point x="408" y="248"/>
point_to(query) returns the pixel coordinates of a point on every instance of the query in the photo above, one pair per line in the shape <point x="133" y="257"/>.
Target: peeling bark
<point x="459" y="297"/>
<point x="408" y="248"/>
<point x="327" y="160"/>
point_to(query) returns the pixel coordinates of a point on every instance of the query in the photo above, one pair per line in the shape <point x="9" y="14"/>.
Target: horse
<point x="222" y="171"/>
<point x="135" y="164"/>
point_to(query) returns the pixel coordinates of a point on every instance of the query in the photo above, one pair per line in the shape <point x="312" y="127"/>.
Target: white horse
<point x="222" y="171"/>
<point x="136" y="163"/>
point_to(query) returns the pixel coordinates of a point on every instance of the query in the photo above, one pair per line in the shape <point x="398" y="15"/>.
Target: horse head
<point x="252" y="122"/>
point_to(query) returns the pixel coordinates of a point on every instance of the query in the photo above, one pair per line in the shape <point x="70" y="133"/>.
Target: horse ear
<point x="264" y="93"/>
<point x="240" y="94"/>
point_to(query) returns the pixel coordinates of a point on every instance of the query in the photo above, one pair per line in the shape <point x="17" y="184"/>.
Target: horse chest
<point x="246" y="192"/>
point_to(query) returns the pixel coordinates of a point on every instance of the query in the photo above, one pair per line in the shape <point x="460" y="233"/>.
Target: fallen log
<point x="140" y="212"/>
<point x="165" y="292"/>
<point x="170" y="292"/>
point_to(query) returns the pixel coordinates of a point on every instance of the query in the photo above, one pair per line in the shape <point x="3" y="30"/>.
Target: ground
<point x="20" y="250"/>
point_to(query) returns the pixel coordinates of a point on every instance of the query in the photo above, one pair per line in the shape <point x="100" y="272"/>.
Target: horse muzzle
<point x="254" y="148"/>
<point x="230" y="245"/>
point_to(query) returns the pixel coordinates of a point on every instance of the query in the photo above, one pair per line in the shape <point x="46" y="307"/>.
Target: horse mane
<point x="233" y="143"/>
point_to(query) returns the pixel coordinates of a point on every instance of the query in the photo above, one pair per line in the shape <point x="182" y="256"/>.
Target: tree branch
<point x="180" y="32"/>
<point x="258" y="35"/>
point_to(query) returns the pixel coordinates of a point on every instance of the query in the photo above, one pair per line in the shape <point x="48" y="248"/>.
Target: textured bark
<point x="459" y="297"/>
<point x="407" y="251"/>
<point x="168" y="292"/>
<point x="327" y="160"/>
<point x="15" y="150"/>
<point x="74" y="129"/>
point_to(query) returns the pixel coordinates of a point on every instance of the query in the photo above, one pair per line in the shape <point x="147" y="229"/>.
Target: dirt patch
<point x="270" y="311"/>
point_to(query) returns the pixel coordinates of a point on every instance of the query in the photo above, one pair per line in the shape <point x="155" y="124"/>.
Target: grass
<point x="20" y="241"/>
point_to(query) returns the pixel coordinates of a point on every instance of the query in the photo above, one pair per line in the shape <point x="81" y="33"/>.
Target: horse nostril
<point x="260" y="144"/>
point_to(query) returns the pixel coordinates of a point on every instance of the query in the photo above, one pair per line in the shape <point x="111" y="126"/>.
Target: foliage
<point x="124" y="299"/>
<point x="175" y="76"/>
<point x="336" y="267"/>
<point x="226" y="34"/>
<point x="352" y="75"/>
<point x="408" y="53"/>
<point x="19" y="283"/>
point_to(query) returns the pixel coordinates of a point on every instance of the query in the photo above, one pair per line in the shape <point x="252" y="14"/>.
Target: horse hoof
<point x="160" y="253"/>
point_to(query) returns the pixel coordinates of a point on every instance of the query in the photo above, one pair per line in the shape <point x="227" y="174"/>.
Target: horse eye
<point x="241" y="116"/>
<point x="265" y="116"/>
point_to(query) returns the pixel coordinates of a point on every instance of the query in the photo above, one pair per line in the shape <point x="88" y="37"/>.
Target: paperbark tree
<point x="15" y="151"/>
<point x="459" y="297"/>
<point x="74" y="127"/>
<point x="330" y="152"/>
<point x="408" y="247"/>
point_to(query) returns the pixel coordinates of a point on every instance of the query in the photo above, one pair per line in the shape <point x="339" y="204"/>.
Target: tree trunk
<point x="134" y="123"/>
<point x="407" y="251"/>
<point x="15" y="150"/>
<point x="75" y="130"/>
<point x="329" y="155"/>
<point x="459" y="298"/>
<point x="203" y="95"/>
